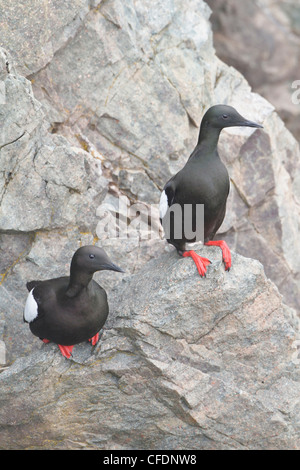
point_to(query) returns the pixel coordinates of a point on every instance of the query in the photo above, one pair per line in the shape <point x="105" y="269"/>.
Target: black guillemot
<point x="203" y="180"/>
<point x="71" y="309"/>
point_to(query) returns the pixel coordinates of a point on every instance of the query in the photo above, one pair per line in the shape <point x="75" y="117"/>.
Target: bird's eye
<point x="225" y="116"/>
<point x="92" y="256"/>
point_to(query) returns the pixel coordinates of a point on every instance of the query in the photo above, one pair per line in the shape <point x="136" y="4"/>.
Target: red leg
<point x="94" y="339"/>
<point x="225" y="251"/>
<point x="66" y="350"/>
<point x="199" y="261"/>
<point x="45" y="341"/>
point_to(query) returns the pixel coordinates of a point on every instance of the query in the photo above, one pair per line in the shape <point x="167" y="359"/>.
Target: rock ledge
<point x="183" y="363"/>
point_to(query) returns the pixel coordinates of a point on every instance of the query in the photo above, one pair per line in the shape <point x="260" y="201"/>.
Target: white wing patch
<point x="163" y="205"/>
<point x="31" y="308"/>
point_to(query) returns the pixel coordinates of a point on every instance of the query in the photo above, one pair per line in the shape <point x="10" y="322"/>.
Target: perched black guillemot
<point x="72" y="309"/>
<point x="203" y="180"/>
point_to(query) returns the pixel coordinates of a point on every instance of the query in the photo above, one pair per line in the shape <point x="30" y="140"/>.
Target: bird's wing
<point x="30" y="312"/>
<point x="31" y="284"/>
<point x="38" y="297"/>
<point x="167" y="198"/>
<point x="31" y="308"/>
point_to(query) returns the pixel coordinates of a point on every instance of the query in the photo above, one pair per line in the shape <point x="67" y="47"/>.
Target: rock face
<point x="34" y="32"/>
<point x="272" y="70"/>
<point x="184" y="363"/>
<point x="118" y="95"/>
<point x="100" y="104"/>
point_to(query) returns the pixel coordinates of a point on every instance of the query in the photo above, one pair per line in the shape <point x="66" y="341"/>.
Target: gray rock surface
<point x="103" y="100"/>
<point x="183" y="363"/>
<point x="273" y="69"/>
<point x="34" y="31"/>
<point x="114" y="110"/>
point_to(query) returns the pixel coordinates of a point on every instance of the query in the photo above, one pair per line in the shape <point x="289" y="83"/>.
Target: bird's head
<point x="220" y="116"/>
<point x="90" y="259"/>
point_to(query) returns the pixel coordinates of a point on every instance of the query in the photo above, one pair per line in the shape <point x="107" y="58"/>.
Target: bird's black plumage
<point x="71" y="309"/>
<point x="204" y="180"/>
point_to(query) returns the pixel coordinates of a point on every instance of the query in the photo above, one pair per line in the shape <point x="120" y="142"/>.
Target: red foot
<point x="45" y="341"/>
<point x="66" y="350"/>
<point x="199" y="261"/>
<point x="94" y="339"/>
<point x="225" y="251"/>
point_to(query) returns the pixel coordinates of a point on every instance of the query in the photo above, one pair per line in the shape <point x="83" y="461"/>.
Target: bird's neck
<point x="78" y="282"/>
<point x="208" y="139"/>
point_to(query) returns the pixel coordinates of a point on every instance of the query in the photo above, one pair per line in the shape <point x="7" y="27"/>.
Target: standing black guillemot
<point x="203" y="180"/>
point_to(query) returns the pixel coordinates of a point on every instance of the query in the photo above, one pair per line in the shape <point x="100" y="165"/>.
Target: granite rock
<point x="183" y="363"/>
<point x="272" y="70"/>
<point x="107" y="103"/>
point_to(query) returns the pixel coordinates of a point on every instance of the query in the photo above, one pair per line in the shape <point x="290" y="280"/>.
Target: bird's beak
<point x="111" y="267"/>
<point x="246" y="123"/>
